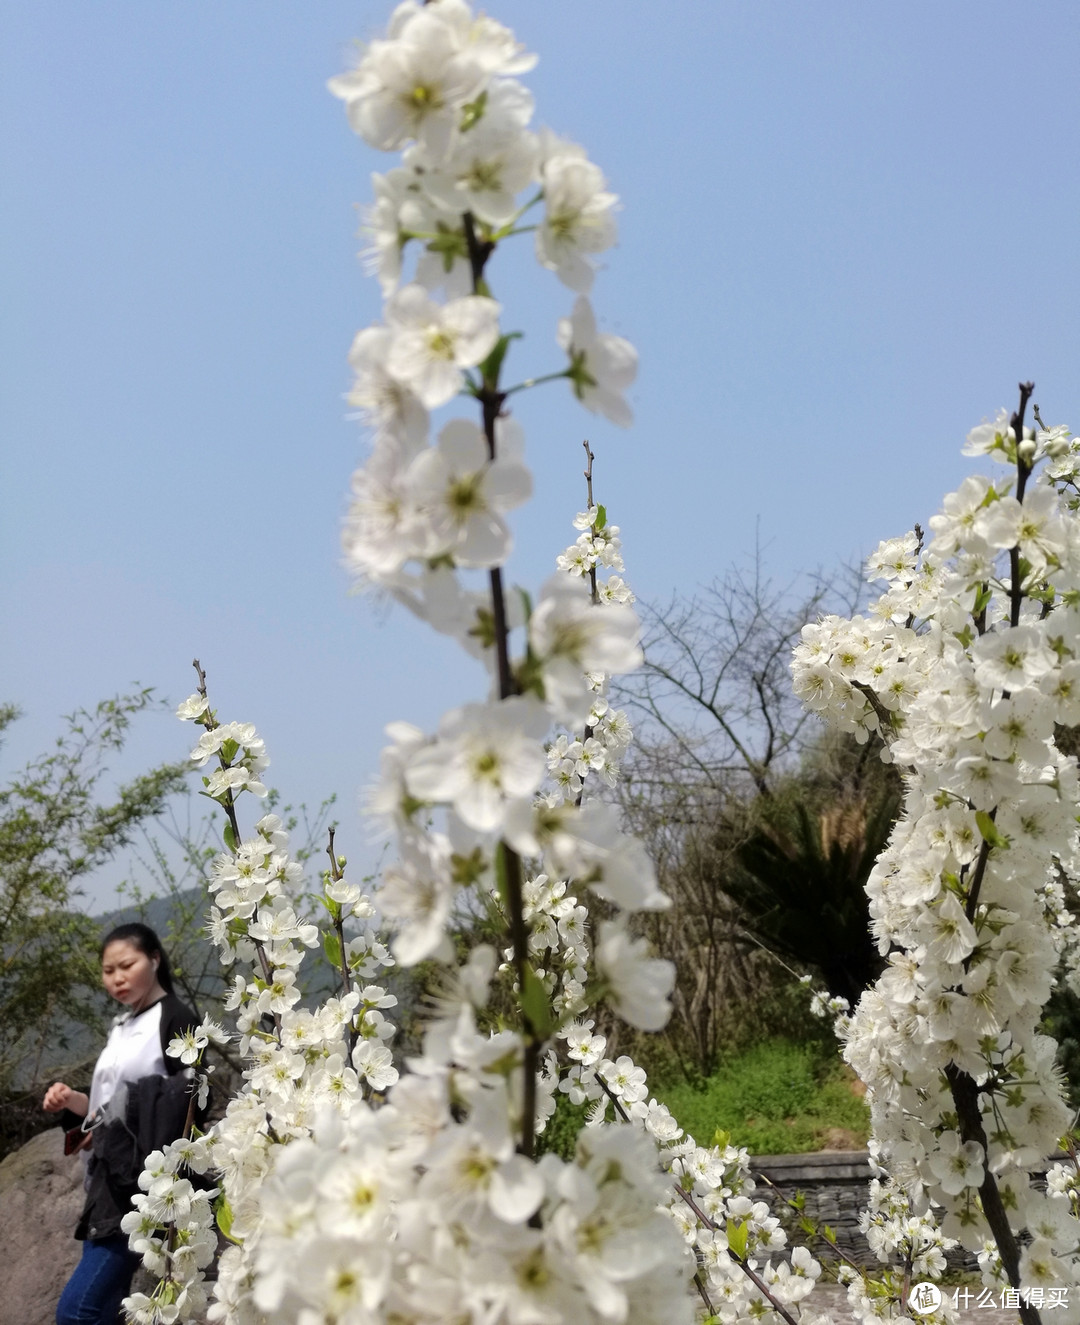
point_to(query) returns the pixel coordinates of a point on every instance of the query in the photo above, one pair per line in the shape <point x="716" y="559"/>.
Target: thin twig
<point x="229" y="806"/>
<point x="841" y="1254"/>
<point x="336" y="875"/>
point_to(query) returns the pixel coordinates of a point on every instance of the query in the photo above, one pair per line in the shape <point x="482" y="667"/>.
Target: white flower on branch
<point x="488" y="41"/>
<point x="486" y="757"/>
<point x="417" y="895"/>
<point x="602" y="367"/>
<point x="280" y="924"/>
<point x="493" y="162"/>
<point x="192" y="708"/>
<point x="384" y="526"/>
<point x="401" y="209"/>
<point x="411" y="87"/>
<point x="385" y="401"/>
<point x="374" y="1062"/>
<point x="473" y="1169"/>
<point x="588" y="843"/>
<point x="572" y="635"/>
<point x="578" y="213"/>
<point x="433" y="343"/>
<point x="957" y="1164"/>
<point x="463" y="494"/>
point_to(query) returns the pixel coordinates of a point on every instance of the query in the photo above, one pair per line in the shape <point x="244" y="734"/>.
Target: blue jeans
<point x="101" y="1280"/>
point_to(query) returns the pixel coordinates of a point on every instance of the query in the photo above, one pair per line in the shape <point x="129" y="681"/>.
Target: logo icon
<point x="924" y="1298"/>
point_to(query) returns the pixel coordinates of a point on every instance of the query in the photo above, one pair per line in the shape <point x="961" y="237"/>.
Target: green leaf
<point x="230" y="837"/>
<point x="601" y="517"/>
<point x="989" y="831"/>
<point x="535" y="1004"/>
<point x="223" y="1212"/>
<point x="473" y="111"/>
<point x="332" y="948"/>
<point x="829" y="1234"/>
<point x="736" y="1238"/>
<point x="982" y="599"/>
<point x="492" y="365"/>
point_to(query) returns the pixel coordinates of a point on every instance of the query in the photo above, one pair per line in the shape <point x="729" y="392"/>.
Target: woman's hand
<point x="60" y="1096"/>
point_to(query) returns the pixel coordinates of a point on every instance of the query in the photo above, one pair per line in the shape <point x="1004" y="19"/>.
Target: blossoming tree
<point x="348" y="1192"/>
<point x="352" y="1191"/>
<point x="968" y="666"/>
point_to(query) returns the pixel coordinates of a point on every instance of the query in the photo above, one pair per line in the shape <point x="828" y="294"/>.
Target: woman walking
<point x="135" y="971"/>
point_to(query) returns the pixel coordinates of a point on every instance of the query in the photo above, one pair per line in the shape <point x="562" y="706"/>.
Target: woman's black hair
<point x="146" y="941"/>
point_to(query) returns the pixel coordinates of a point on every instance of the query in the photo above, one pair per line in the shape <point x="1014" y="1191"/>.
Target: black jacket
<point x="153" y="1114"/>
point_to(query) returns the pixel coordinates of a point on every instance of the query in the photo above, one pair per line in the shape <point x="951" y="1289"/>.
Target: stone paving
<point x="832" y="1299"/>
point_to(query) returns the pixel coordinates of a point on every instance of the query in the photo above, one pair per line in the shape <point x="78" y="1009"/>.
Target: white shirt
<point x="132" y="1051"/>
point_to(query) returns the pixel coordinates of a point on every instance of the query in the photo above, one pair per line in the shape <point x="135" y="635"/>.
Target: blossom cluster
<point x="172" y="1222"/>
<point x="441" y="86"/>
<point x="349" y="1194"/>
<point x="710" y="1197"/>
<point x="353" y="1191"/>
<point x="295" y="1059"/>
<point x="966" y="667"/>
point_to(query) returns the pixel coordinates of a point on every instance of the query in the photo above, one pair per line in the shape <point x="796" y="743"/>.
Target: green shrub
<point x="775" y="1098"/>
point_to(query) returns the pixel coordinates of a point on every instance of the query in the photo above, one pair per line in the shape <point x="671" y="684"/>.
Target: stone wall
<point x="834" y="1183"/>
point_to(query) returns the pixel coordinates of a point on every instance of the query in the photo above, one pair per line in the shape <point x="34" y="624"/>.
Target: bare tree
<point x="713" y="705"/>
<point x="718" y="736"/>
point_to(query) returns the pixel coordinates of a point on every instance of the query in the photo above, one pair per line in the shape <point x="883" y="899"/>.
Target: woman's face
<point x="127" y="973"/>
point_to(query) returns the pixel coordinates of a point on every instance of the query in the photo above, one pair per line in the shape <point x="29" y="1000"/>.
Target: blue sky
<point x="848" y="230"/>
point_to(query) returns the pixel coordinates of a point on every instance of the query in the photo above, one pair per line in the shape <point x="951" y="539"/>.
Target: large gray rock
<point x="41" y="1196"/>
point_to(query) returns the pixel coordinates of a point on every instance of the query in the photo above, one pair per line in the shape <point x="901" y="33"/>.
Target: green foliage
<point x="55" y="828"/>
<point x="775" y="1098"/>
<point x="800" y="886"/>
<point x="559" y="1137"/>
<point x="1062" y="1021"/>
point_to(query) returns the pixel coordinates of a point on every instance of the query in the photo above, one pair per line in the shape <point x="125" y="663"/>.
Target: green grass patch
<point x="776" y="1098"/>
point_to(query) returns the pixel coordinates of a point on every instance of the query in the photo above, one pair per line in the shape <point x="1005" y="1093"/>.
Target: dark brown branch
<point x="589" y="499"/>
<point x="977" y="876"/>
<point x="1023" y="469"/>
<point x="491" y="403"/>
<point x="965" y="1094"/>
<point x="699" y="1284"/>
